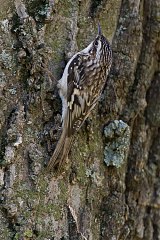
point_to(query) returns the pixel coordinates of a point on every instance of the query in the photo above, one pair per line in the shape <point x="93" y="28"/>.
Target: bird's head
<point x="101" y="45"/>
<point x="99" y="49"/>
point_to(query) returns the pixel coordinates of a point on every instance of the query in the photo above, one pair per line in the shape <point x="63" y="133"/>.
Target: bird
<point x="80" y="88"/>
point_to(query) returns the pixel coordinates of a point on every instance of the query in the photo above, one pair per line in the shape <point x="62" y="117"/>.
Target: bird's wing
<point x="78" y="97"/>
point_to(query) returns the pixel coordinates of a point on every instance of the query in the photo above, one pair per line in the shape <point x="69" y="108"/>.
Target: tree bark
<point x="110" y="185"/>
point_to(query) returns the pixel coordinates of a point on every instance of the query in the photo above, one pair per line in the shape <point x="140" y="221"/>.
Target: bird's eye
<point x="96" y="43"/>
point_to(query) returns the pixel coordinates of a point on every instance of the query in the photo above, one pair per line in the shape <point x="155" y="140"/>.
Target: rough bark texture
<point x="91" y="199"/>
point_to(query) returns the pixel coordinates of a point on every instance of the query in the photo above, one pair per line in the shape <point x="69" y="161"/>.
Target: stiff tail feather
<point x="66" y="149"/>
<point x="61" y="152"/>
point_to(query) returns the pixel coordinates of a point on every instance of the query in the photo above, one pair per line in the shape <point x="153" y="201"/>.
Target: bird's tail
<point x="61" y="152"/>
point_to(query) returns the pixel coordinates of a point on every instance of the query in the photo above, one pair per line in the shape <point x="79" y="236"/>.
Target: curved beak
<point x="99" y="29"/>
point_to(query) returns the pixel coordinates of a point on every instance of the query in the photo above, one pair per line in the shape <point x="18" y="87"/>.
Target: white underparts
<point x="98" y="52"/>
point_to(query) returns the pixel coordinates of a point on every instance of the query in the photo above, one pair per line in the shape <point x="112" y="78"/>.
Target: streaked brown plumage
<point x="80" y="88"/>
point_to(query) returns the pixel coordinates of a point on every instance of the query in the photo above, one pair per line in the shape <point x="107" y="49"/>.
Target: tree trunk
<point x="109" y="187"/>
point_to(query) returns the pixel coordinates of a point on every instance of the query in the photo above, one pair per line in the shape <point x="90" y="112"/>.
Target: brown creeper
<point x="80" y="88"/>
